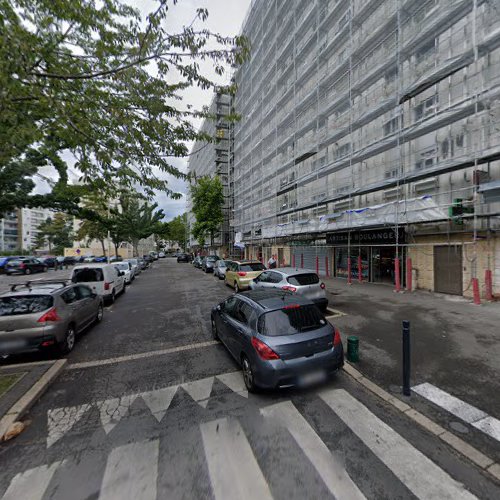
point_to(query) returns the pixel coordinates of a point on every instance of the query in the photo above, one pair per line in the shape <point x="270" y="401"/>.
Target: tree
<point x="136" y="220"/>
<point x="96" y="224"/>
<point x="57" y="232"/>
<point x="207" y="195"/>
<point x="95" y="80"/>
<point x="178" y="230"/>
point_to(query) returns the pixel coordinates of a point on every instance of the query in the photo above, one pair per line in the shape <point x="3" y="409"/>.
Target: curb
<point x="25" y="402"/>
<point x="465" y="449"/>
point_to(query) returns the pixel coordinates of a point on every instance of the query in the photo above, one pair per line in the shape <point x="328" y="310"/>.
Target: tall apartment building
<point x="9" y="231"/>
<point x="213" y="158"/>
<point x="370" y="133"/>
<point x="29" y="222"/>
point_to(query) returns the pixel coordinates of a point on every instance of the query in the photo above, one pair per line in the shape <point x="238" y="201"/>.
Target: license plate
<point x="312" y="378"/>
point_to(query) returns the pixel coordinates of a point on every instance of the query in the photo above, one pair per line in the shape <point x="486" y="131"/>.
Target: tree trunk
<point x="103" y="247"/>
<point x="116" y="248"/>
<point x="135" y="246"/>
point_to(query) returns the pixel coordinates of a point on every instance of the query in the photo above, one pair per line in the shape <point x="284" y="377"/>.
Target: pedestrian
<point x="271" y="263"/>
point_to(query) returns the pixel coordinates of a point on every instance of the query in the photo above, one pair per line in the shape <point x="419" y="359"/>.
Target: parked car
<point x="116" y="258"/>
<point x="126" y="267"/>
<point x="26" y="265"/>
<point x="143" y="263"/>
<point x="239" y="274"/>
<point x="184" y="257"/>
<point x="209" y="262"/>
<point x="44" y="314"/>
<point x="101" y="258"/>
<point x="5" y="260"/>
<point x="161" y="255"/>
<point x="70" y="261"/>
<point x="103" y="279"/>
<point x="300" y="282"/>
<point x="197" y="261"/>
<point x="89" y="258"/>
<point x="154" y="255"/>
<point x="49" y="261"/>
<point x="220" y="268"/>
<point x="136" y="266"/>
<point x="279" y="339"/>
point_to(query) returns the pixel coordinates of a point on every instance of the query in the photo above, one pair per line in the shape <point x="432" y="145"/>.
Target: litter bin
<point x="353" y="349"/>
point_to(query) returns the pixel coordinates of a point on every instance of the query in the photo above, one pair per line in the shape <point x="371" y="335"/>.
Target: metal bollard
<point x="406" y="358"/>
<point x="353" y="349"/>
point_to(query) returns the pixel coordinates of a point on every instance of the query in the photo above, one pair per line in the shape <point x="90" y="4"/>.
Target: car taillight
<point x="106" y="285"/>
<point x="242" y="273"/>
<point x="322" y="286"/>
<point x="336" y="338"/>
<point x="263" y="350"/>
<point x="50" y="315"/>
<point x="292" y="306"/>
<point x="22" y="266"/>
<point x="289" y="288"/>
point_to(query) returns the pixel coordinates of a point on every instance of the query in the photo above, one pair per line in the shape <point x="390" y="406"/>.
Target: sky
<point x="226" y="18"/>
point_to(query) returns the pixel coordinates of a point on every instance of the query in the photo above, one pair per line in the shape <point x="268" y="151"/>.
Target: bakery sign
<point x="372" y="237"/>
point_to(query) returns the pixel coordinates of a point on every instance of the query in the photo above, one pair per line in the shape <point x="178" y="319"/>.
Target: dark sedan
<point x="209" y="263"/>
<point x="183" y="257"/>
<point x="26" y="265"/>
<point x="279" y="339"/>
<point x="5" y="260"/>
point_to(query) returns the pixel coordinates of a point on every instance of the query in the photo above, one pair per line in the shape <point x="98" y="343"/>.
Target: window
<point x="393" y="172"/>
<point x="289" y="321"/>
<point x="86" y="275"/>
<point x="275" y="277"/>
<point x="427" y="159"/>
<point x="84" y="292"/>
<point x="343" y="151"/>
<point x="254" y="266"/>
<point x="303" y="279"/>
<point x="391" y="126"/>
<point x="263" y="277"/>
<point x="426" y="108"/>
<point x="245" y="313"/>
<point x="426" y="51"/>
<point x="20" y="304"/>
<point x="69" y="296"/>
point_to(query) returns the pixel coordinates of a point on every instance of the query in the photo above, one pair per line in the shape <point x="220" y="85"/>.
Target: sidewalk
<point x="455" y="344"/>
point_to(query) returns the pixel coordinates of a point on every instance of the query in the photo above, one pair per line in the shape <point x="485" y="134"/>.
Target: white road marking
<point x="158" y="401"/>
<point x="113" y="410"/>
<point x="61" y="420"/>
<point x="464" y="411"/>
<point x="450" y="403"/>
<point x="233" y="469"/>
<point x="31" y="484"/>
<point x="200" y="390"/>
<point x="329" y="467"/>
<point x="131" y="472"/>
<point x="142" y="355"/>
<point x="419" y="474"/>
<point x="235" y="382"/>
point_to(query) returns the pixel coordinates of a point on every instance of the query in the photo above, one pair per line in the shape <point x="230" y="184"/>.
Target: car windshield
<point x="222" y="263"/>
<point x="123" y="266"/>
<point x="290" y="320"/>
<point x="211" y="259"/>
<point x="20" y="304"/>
<point x="254" y="266"/>
<point x="86" y="275"/>
<point x="303" y="279"/>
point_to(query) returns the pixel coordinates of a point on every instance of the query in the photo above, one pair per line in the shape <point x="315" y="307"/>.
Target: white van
<point x="103" y="279"/>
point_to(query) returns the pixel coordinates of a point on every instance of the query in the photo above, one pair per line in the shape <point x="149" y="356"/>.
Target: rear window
<point x="211" y="259"/>
<point x="303" y="279"/>
<point x="290" y="321"/>
<point x="14" y="306"/>
<point x="257" y="266"/>
<point x="87" y="275"/>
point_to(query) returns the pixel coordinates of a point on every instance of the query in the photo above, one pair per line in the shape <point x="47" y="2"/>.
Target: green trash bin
<point x="353" y="349"/>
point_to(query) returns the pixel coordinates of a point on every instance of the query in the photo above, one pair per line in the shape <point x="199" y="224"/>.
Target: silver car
<point x="220" y="269"/>
<point x="302" y="282"/>
<point x="136" y="266"/>
<point x="46" y="314"/>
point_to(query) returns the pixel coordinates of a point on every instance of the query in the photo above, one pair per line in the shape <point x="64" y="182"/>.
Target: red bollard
<point x="409" y="284"/>
<point x="397" y="275"/>
<point x="475" y="290"/>
<point x="488" y="283"/>
<point x="360" y="270"/>
<point x="317" y="265"/>
<point x="293" y="260"/>
<point x="326" y="266"/>
<point x="349" y="278"/>
<point x="302" y="260"/>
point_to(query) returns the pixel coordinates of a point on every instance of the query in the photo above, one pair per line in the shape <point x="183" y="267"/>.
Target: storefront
<point x="372" y="252"/>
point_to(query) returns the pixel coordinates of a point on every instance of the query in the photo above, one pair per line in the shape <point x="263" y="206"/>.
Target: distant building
<point x="9" y="232"/>
<point x="29" y="221"/>
<point x="211" y="159"/>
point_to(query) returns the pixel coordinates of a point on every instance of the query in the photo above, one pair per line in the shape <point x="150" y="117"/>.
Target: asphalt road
<point x="150" y="407"/>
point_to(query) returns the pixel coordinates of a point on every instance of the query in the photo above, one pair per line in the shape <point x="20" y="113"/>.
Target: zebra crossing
<point x="235" y="462"/>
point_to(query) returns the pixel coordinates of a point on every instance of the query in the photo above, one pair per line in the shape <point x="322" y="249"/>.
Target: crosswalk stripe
<point x="159" y="401"/>
<point x="200" y="390"/>
<point x="31" y="484"/>
<point x="464" y="411"/>
<point x="419" y="474"/>
<point x="113" y="410"/>
<point x="234" y="381"/>
<point x="61" y="420"/>
<point x="326" y="463"/>
<point x="233" y="469"/>
<point x="131" y="472"/>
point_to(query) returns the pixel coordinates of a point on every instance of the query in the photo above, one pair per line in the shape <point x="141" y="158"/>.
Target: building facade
<point x="370" y="139"/>
<point x="213" y="158"/>
<point x="29" y="222"/>
<point x="9" y="232"/>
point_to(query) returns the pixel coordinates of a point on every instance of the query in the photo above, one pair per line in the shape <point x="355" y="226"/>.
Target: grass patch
<point x="7" y="381"/>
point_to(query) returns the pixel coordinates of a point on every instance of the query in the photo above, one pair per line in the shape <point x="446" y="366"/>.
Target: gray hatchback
<point x="46" y="314"/>
<point x="302" y="282"/>
<point x="279" y="339"/>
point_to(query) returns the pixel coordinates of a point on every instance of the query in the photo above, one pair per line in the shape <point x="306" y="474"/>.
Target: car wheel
<point x="100" y="314"/>
<point x="236" y="287"/>
<point x="27" y="271"/>
<point x="215" y="333"/>
<point x="248" y="377"/>
<point x="69" y="340"/>
<point x="112" y="297"/>
<point x="124" y="289"/>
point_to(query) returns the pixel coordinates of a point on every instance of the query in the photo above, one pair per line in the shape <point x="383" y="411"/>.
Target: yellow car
<point x="240" y="273"/>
